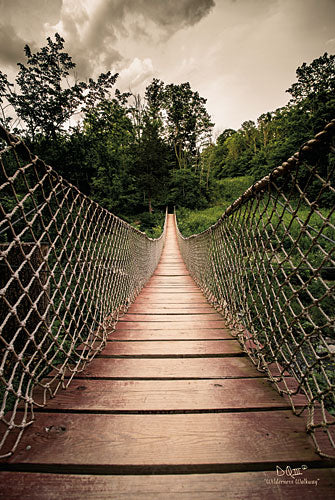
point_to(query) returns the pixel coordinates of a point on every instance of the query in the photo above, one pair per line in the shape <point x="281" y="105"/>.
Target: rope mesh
<point x="268" y="266"/>
<point x="68" y="270"/>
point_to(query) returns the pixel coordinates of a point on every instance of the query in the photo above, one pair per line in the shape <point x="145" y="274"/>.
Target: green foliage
<point x="187" y="189"/>
<point x="150" y="223"/>
<point x="182" y="112"/>
<point x="195" y="221"/>
<point x="110" y="131"/>
<point x="43" y="102"/>
<point x="151" y="163"/>
<point x="256" y="149"/>
<point x="315" y="82"/>
<point x="231" y="188"/>
<point x="227" y="191"/>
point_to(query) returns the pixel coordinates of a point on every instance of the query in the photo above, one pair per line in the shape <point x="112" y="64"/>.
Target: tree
<point x="314" y="91"/>
<point x="181" y="113"/>
<point x="186" y="190"/>
<point x="316" y="79"/>
<point x="188" y="124"/>
<point x="151" y="164"/>
<point x="154" y="96"/>
<point x="5" y="87"/>
<point x="151" y="152"/>
<point x="46" y="99"/>
<point x="228" y="132"/>
<point x="110" y="132"/>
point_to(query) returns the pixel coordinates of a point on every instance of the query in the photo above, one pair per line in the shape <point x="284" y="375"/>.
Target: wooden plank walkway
<point x="171" y="409"/>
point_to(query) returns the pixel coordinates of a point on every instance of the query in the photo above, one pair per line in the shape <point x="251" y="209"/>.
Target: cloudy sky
<point x="241" y="55"/>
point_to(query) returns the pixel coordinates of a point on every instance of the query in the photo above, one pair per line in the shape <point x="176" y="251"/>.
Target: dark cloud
<point x="23" y="23"/>
<point x="168" y="14"/>
<point x="92" y="36"/>
<point x="90" y="61"/>
<point x="176" y="15"/>
<point x="113" y="20"/>
<point x="24" y="12"/>
<point x="91" y="47"/>
<point x="11" y="46"/>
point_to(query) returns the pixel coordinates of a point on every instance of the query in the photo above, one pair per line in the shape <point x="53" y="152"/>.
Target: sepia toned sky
<point x="241" y="55"/>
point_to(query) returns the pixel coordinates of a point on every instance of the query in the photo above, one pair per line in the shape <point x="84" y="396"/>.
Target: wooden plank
<point x="170" y="368"/>
<point x="176" y="262"/>
<point x="138" y="318"/>
<point x="147" y="292"/>
<point x="171" y="270"/>
<point x="171" y="289"/>
<point x="175" y="267"/>
<point x="183" y="278"/>
<point x="170" y="299"/>
<point x="188" y="295"/>
<point x="168" y="348"/>
<point x="180" y="281"/>
<point x="170" y="309"/>
<point x="172" y="262"/>
<point x="167" y="395"/>
<point x="233" y="486"/>
<point x="189" y="290"/>
<point x="168" y="325"/>
<point x="173" y="334"/>
<point x="157" y="443"/>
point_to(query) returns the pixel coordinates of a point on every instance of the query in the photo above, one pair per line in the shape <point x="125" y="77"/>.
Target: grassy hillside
<point x="227" y="190"/>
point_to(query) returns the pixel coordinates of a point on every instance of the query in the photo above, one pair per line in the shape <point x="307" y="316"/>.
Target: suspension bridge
<point x="198" y="367"/>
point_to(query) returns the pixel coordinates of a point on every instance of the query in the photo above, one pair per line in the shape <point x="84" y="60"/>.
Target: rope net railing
<point x="68" y="270"/>
<point x="268" y="266"/>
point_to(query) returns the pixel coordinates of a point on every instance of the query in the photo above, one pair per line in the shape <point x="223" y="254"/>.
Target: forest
<point x="136" y="154"/>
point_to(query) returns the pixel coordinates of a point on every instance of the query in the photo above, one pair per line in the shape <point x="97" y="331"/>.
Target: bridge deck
<point x="171" y="409"/>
